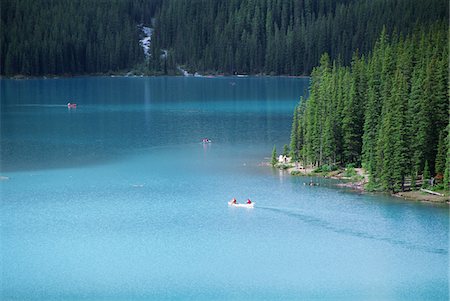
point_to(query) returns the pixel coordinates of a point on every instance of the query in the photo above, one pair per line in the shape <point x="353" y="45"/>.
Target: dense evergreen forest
<point x="388" y="111"/>
<point x="280" y="36"/>
<point x="40" y="37"/>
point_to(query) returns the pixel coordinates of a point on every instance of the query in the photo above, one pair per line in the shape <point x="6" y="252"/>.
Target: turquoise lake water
<point x="118" y="200"/>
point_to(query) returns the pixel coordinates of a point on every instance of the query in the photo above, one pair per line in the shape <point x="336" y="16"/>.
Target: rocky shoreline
<point x="358" y="181"/>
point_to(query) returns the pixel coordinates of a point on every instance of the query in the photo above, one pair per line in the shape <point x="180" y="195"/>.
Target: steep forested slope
<point x="41" y="37"/>
<point x="281" y="36"/>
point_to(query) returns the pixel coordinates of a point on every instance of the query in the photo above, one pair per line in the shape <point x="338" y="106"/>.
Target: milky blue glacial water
<point x="119" y="200"/>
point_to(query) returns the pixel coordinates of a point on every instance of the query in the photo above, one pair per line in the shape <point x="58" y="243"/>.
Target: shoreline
<point x="130" y="74"/>
<point x="417" y="195"/>
<point x="357" y="182"/>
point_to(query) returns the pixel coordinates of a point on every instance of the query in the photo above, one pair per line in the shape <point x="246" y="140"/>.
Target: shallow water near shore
<point x="119" y="200"/>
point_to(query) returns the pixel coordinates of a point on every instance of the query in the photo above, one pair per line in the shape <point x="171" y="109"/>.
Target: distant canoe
<point x="231" y="204"/>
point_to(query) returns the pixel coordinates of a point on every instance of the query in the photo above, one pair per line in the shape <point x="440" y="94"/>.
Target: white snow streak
<point x="184" y="72"/>
<point x="145" y="42"/>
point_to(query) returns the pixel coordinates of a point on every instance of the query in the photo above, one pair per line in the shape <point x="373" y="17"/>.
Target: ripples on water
<point x="118" y="200"/>
<point x="354" y="232"/>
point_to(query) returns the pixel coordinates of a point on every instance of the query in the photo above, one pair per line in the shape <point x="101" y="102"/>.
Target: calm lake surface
<point x="119" y="200"/>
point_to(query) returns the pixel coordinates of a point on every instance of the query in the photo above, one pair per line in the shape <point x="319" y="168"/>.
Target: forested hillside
<point x="40" y="37"/>
<point x="280" y="36"/>
<point x="388" y="111"/>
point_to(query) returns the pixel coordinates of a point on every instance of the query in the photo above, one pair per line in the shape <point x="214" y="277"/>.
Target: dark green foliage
<point x="373" y="106"/>
<point x="447" y="165"/>
<point x="326" y="168"/>
<point x="274" y="159"/>
<point x="294" y="135"/>
<point x="350" y="171"/>
<point x="388" y="112"/>
<point x="413" y="178"/>
<point x="281" y="36"/>
<point x="426" y="175"/>
<point x="441" y="154"/>
<point x="297" y="132"/>
<point x="40" y="37"/>
<point x="353" y="112"/>
<point x="285" y="150"/>
<point x="401" y="161"/>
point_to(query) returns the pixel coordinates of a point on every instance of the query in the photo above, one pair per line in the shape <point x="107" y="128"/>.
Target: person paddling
<point x="248" y="201"/>
<point x="233" y="201"/>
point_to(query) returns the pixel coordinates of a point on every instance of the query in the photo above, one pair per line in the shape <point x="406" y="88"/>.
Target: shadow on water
<point x="317" y="222"/>
<point x="119" y="115"/>
<point x="86" y="156"/>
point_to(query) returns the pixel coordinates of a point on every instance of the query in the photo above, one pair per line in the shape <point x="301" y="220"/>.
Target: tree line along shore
<point x="387" y="113"/>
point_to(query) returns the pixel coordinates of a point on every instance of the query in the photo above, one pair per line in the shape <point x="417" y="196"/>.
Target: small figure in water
<point x="233" y="201"/>
<point x="248" y="201"/>
<point x="311" y="183"/>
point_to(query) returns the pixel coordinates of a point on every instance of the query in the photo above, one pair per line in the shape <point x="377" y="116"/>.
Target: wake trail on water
<point x="40" y="105"/>
<point x="318" y="222"/>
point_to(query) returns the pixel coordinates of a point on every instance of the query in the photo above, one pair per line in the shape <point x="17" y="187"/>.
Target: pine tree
<point x="285" y="150"/>
<point x="351" y="138"/>
<point x="295" y="135"/>
<point x="441" y="152"/>
<point x="401" y="161"/>
<point x="426" y="175"/>
<point x="447" y="166"/>
<point x="274" y="160"/>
